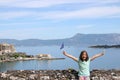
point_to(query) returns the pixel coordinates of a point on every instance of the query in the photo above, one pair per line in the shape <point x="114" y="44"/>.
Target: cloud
<point x="36" y="3"/>
<point x="49" y="3"/>
<point x="93" y="11"/>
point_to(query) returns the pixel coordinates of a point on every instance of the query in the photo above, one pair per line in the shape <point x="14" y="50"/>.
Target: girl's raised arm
<point x="96" y="56"/>
<point x="70" y="56"/>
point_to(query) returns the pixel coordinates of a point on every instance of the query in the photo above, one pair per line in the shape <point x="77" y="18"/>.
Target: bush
<point x="15" y="55"/>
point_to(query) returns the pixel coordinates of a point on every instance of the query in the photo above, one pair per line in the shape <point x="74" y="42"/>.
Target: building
<point x="6" y="48"/>
<point x="44" y="56"/>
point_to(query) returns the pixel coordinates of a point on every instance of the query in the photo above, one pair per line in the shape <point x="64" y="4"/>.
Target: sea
<point x="111" y="59"/>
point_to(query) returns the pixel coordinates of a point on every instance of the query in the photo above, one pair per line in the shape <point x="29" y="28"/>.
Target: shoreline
<point x="27" y="59"/>
<point x="69" y="74"/>
<point x="105" y="46"/>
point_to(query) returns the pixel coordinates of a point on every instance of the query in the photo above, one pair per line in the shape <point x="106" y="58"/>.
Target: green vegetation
<point x="105" y="46"/>
<point x="12" y="56"/>
<point x="16" y="55"/>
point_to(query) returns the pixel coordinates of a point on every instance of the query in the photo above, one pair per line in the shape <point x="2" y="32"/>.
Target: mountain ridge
<point x="78" y="39"/>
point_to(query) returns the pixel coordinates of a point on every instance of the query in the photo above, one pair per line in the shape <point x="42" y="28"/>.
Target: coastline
<point x="69" y="74"/>
<point x="105" y="46"/>
<point x="34" y="58"/>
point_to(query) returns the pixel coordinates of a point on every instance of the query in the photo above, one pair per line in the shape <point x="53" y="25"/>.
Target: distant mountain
<point x="94" y="39"/>
<point x="78" y="39"/>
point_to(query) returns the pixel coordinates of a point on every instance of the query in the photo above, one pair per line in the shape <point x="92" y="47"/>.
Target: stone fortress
<point x="6" y="48"/>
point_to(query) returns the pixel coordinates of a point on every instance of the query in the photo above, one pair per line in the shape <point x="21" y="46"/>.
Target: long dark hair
<point x="80" y="57"/>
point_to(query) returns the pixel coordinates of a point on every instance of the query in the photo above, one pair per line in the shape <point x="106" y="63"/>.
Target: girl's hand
<point x="64" y="52"/>
<point x="103" y="52"/>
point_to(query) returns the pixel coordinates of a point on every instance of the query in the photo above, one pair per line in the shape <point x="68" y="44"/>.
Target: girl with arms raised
<point x="84" y="63"/>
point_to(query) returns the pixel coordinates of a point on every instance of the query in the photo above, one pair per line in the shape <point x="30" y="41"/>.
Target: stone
<point x="57" y="75"/>
<point x="13" y="78"/>
<point x="32" y="76"/>
<point x="3" y="75"/>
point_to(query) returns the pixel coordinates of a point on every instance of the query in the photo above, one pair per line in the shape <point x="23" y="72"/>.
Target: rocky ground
<point x="69" y="74"/>
<point x="105" y="75"/>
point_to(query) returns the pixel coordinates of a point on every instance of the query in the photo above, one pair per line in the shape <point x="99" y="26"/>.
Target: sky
<point x="57" y="19"/>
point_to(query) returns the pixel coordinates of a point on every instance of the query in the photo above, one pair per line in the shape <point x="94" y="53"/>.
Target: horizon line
<point x="62" y="38"/>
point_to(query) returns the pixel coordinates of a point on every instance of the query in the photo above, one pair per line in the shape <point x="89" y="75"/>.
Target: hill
<point x="76" y="40"/>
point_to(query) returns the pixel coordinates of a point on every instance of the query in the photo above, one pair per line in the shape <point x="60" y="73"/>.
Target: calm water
<point x="109" y="61"/>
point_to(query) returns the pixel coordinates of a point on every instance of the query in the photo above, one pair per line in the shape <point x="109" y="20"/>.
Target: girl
<point x="83" y="62"/>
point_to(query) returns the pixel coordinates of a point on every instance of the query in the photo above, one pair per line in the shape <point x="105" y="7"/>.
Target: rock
<point x="3" y="75"/>
<point x="13" y="78"/>
<point x="58" y="75"/>
<point x="33" y="76"/>
<point x="44" y="78"/>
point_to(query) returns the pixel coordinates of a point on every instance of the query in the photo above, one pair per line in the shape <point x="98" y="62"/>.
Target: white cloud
<point x="35" y="3"/>
<point x="92" y="12"/>
<point x="48" y="3"/>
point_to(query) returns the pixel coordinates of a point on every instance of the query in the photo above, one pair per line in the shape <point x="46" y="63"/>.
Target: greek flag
<point x="62" y="46"/>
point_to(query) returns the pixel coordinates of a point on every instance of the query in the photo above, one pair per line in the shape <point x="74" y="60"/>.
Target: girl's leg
<point x="81" y="78"/>
<point x="87" y="78"/>
<point x="84" y="78"/>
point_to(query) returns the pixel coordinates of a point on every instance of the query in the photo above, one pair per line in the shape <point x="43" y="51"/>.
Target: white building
<point x="44" y="56"/>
